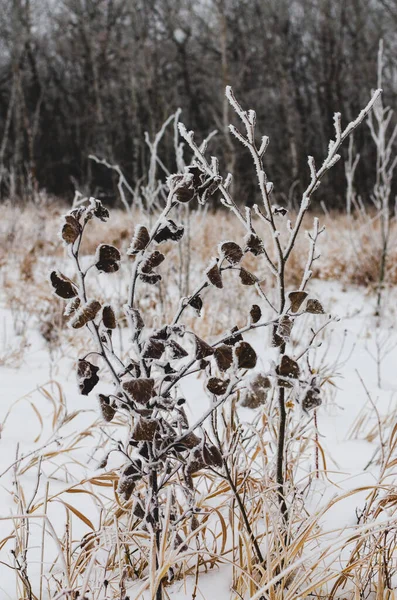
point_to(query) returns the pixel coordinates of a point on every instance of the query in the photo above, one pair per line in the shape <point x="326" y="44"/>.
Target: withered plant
<point x="163" y="450"/>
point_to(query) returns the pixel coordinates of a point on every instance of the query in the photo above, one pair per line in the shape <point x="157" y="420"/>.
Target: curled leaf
<point x="71" y="229"/>
<point x="107" y="409"/>
<point x="254" y="244"/>
<point x="87" y="377"/>
<point x="85" y="314"/>
<point x="176" y="350"/>
<point x="107" y="258"/>
<point x="153" y="261"/>
<point x="232" y="252"/>
<point x="63" y="286"/>
<point x="196" y="303"/>
<point x="140" y="240"/>
<point x="296" y="299"/>
<point x="169" y="231"/>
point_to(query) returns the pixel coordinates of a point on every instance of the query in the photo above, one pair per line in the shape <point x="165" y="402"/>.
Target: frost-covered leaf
<point x="314" y="307"/>
<point x="245" y="355"/>
<point x="140" y="240"/>
<point x="134" y="317"/>
<point x="256" y="391"/>
<point x="108" y="317"/>
<point x="100" y="212"/>
<point x="202" y="349"/>
<point x="106" y="407"/>
<point x="107" y="258"/>
<point x="214" y="275"/>
<point x="169" y="231"/>
<point x="232" y="252"/>
<point x="85" y="314"/>
<point x="150" y="278"/>
<point x="63" y="286"/>
<point x="71" y="229"/>
<point x="223" y="355"/>
<point x="297" y="298"/>
<point x="285" y="327"/>
<point x="255" y="313"/>
<point x="288" y="367"/>
<point x="234" y="338"/>
<point x="279" y="210"/>
<point x="188" y="441"/>
<point x="217" y="386"/>
<point x="153" y="349"/>
<point x="144" y="430"/>
<point x="247" y="278"/>
<point x="87" y="377"/>
<point x="140" y="390"/>
<point x="311" y="399"/>
<point x="71" y="306"/>
<point x="176" y="350"/>
<point x="212" y="457"/>
<point x="253" y="244"/>
<point x="153" y="261"/>
<point x="196" y="303"/>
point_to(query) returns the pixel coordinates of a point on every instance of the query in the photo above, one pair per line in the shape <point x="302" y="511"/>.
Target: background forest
<point x="79" y="77"/>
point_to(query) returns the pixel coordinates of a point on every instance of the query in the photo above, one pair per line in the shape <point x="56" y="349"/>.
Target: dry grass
<point x="114" y="555"/>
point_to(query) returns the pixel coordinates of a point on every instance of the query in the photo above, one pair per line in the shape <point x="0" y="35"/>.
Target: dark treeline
<point x="91" y="76"/>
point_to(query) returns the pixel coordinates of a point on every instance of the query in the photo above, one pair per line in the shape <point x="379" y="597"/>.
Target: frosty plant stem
<point x="277" y="255"/>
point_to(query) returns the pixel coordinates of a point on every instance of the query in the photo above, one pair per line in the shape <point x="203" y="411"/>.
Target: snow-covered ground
<point x="48" y="428"/>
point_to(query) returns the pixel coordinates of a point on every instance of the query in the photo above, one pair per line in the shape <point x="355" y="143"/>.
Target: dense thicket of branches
<point x="91" y="76"/>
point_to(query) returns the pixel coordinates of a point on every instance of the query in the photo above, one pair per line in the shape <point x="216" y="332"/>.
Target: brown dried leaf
<point x="232" y="252"/>
<point x="255" y="313"/>
<point x="214" y="276"/>
<point x="139" y="241"/>
<point x="234" y="338"/>
<point x="63" y="286"/>
<point x="71" y="307"/>
<point x="254" y="244"/>
<point x="190" y="440"/>
<point x="246" y="355"/>
<point x="202" y="349"/>
<point x="140" y="390"/>
<point x="217" y="386"/>
<point x="297" y="298"/>
<point x="196" y="303"/>
<point x="70" y="230"/>
<point x="144" y="430"/>
<point x="288" y="367"/>
<point x="176" y="350"/>
<point x="107" y="258"/>
<point x="85" y="314"/>
<point x="150" y="278"/>
<point x="108" y="317"/>
<point x="169" y="231"/>
<point x="247" y="278"/>
<point x="212" y="457"/>
<point x="107" y="409"/>
<point x="314" y="307"/>
<point x="87" y="377"/>
<point x="223" y="357"/>
<point x="153" y="261"/>
<point x="153" y="349"/>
